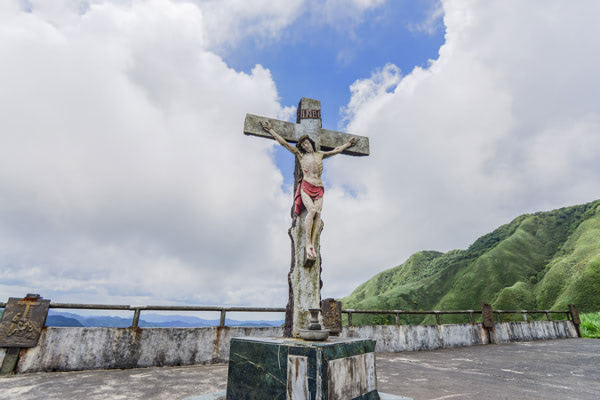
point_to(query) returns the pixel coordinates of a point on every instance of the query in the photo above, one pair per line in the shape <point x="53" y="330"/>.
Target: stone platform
<point x="281" y="368"/>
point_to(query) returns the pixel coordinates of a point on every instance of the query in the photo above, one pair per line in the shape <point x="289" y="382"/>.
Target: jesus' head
<point x="306" y="145"/>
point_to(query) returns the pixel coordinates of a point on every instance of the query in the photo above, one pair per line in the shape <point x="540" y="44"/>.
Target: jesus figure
<point x="309" y="193"/>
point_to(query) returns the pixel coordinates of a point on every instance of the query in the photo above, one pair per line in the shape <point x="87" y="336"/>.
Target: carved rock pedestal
<point x="294" y="369"/>
<point x="304" y="280"/>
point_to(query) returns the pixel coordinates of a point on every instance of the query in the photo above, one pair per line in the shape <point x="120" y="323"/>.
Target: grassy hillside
<point x="542" y="260"/>
<point x="590" y="325"/>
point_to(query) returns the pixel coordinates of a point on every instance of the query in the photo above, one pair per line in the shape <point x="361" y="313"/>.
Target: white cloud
<point x="229" y="21"/>
<point x="506" y="121"/>
<point x="432" y="21"/>
<point x="124" y="176"/>
<point x="343" y="15"/>
<point x="123" y="168"/>
<point x="366" y="91"/>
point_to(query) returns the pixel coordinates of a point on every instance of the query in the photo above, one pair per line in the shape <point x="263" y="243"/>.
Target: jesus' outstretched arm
<point x="267" y="127"/>
<point x="341" y="148"/>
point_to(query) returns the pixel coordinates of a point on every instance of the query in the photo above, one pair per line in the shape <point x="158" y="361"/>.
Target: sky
<point x="125" y="177"/>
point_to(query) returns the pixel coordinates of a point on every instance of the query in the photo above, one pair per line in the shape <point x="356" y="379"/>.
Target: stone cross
<point x="27" y="305"/>
<point x="308" y="122"/>
<point x="304" y="277"/>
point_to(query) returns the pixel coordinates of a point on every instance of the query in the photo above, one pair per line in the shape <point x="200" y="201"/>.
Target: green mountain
<point x="544" y="260"/>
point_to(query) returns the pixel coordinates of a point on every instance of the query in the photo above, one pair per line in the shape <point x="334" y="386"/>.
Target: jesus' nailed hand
<point x="310" y="189"/>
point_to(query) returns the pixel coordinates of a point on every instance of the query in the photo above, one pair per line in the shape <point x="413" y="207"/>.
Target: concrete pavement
<point x="555" y="369"/>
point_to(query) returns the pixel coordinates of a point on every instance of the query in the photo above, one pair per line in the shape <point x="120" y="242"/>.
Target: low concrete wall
<point x="396" y="338"/>
<point x="535" y="330"/>
<point x="70" y="349"/>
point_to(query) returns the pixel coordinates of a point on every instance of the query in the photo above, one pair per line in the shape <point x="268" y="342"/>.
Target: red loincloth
<point x="315" y="193"/>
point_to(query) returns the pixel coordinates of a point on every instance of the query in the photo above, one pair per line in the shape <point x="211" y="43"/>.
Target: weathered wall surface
<point x="395" y="338"/>
<point x="70" y="349"/>
<point x="535" y="330"/>
<point x="2" y="354"/>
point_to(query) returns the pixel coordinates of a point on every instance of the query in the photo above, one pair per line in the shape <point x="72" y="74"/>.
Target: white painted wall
<point x="71" y="349"/>
<point x="535" y="330"/>
<point x="396" y="338"/>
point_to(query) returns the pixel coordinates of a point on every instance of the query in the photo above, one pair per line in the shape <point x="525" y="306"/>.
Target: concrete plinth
<point x="294" y="369"/>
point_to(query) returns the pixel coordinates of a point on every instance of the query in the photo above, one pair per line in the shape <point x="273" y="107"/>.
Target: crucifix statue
<point x="313" y="145"/>
<point x="310" y="190"/>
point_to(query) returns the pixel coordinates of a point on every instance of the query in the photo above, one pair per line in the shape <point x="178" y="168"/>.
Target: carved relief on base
<point x="23" y="321"/>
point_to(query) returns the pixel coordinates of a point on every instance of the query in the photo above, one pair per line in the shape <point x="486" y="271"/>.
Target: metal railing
<point x="349" y="312"/>
<point x="398" y="313"/>
<point x="137" y="310"/>
<point x="439" y="313"/>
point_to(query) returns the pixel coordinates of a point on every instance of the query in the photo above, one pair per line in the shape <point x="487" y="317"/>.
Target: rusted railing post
<point x="524" y="315"/>
<point x="575" y="318"/>
<point x="437" y="318"/>
<point x="136" y="317"/>
<point x="547" y="315"/>
<point x="222" y="320"/>
<point x="499" y="313"/>
<point x="471" y="319"/>
<point x="349" y="318"/>
<point x="487" y="321"/>
<point x="398" y="322"/>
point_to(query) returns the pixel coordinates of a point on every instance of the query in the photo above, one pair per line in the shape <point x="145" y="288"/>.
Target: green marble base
<point x="282" y="369"/>
<point x="220" y="395"/>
